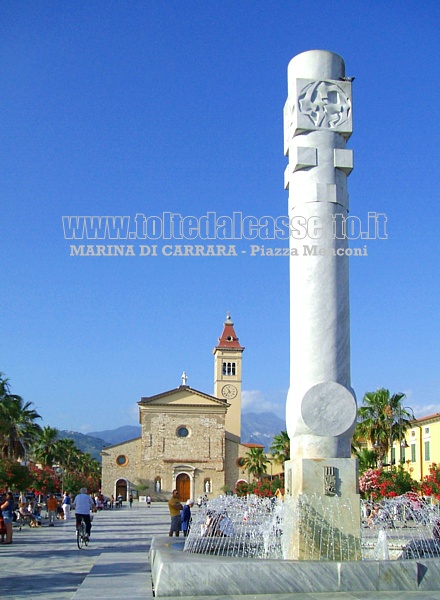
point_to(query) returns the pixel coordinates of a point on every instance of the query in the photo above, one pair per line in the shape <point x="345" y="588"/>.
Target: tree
<point x="396" y="482"/>
<point x="45" y="448"/>
<point x="20" y="435"/>
<point x="44" y="479"/>
<point x="266" y="488"/>
<point x="255" y="461"/>
<point x="74" y="481"/>
<point x="377" y="483"/>
<point x="67" y="454"/>
<point x="280" y="448"/>
<point x="17" y="422"/>
<point x="242" y="488"/>
<point x="88" y="466"/>
<point x="262" y="488"/>
<point x="382" y="419"/>
<point x="367" y="459"/>
<point x="79" y="469"/>
<point x="14" y="476"/>
<point x="430" y="486"/>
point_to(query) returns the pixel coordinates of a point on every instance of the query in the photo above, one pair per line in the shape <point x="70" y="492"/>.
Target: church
<point x="190" y="440"/>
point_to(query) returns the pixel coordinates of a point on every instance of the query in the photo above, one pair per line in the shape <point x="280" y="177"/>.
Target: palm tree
<point x="382" y="419"/>
<point x="68" y="454"/>
<point x="5" y="388"/>
<point x="280" y="448"/>
<point x="45" y="448"/>
<point x="255" y="461"/>
<point x="367" y="459"/>
<point x="18" y="428"/>
<point x="88" y="466"/>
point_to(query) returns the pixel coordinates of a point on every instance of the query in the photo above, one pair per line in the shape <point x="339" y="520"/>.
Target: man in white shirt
<point x="83" y="504"/>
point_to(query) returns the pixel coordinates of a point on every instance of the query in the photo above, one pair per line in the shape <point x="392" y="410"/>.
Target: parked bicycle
<point x="19" y="521"/>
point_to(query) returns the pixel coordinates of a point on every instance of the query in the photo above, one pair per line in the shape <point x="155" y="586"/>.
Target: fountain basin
<point x="177" y="573"/>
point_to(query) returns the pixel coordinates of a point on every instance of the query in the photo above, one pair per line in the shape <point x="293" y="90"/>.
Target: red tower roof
<point x="228" y="338"/>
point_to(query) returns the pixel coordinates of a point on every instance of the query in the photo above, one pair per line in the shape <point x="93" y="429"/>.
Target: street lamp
<point x="397" y="424"/>
<point x="391" y="447"/>
<point x="403" y="444"/>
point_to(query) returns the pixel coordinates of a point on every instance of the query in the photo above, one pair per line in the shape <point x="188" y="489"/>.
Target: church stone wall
<point x="200" y="454"/>
<point x="114" y="467"/>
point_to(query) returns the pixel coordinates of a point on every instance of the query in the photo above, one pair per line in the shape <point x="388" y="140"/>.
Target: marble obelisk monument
<point x="321" y="405"/>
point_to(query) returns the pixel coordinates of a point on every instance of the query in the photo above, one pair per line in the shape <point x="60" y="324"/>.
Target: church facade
<point x="190" y="440"/>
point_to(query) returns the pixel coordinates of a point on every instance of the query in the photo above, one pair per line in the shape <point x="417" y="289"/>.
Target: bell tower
<point x="227" y="377"/>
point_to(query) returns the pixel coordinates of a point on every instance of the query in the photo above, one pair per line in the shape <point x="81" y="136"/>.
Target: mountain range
<point x="256" y="428"/>
<point x="260" y="428"/>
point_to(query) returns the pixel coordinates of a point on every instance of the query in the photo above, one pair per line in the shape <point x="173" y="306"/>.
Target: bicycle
<point x="23" y="520"/>
<point x="82" y="538"/>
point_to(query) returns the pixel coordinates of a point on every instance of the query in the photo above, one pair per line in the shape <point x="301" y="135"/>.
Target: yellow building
<point x="420" y="447"/>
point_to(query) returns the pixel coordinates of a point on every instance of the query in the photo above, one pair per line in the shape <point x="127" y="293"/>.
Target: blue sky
<point x="126" y="107"/>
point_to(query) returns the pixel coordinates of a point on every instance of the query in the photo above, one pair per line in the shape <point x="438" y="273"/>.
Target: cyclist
<point x="83" y="504"/>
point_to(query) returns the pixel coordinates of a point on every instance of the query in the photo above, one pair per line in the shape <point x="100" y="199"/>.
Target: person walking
<point x="148" y="501"/>
<point x="2" y="522"/>
<point x="130" y="500"/>
<point x="66" y="505"/>
<point x="175" y="507"/>
<point x="51" y="507"/>
<point x="186" y="516"/>
<point x="7" y="508"/>
<point x="83" y="504"/>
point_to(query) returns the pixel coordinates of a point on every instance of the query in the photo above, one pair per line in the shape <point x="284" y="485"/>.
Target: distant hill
<point x="85" y="443"/>
<point x="118" y="435"/>
<point x="260" y="428"/>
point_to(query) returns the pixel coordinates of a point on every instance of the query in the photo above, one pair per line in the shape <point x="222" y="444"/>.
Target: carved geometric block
<point x="343" y="159"/>
<point x="305" y="157"/>
<point x="319" y="105"/>
<point x="300" y="157"/>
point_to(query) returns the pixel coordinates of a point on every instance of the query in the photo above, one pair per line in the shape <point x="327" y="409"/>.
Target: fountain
<point x="254" y="527"/>
<point x="405" y="528"/>
<point x="247" y="527"/>
<point x="241" y="546"/>
<point x="262" y="528"/>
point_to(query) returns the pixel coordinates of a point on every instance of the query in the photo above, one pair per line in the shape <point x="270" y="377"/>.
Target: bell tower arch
<point x="228" y="356"/>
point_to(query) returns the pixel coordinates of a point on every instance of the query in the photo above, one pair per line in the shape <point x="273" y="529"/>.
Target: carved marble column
<point x="321" y="405"/>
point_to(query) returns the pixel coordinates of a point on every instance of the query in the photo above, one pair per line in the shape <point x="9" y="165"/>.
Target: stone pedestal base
<point x="325" y="507"/>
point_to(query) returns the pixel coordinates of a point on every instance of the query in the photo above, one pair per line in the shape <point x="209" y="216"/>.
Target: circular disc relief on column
<point x="328" y="409"/>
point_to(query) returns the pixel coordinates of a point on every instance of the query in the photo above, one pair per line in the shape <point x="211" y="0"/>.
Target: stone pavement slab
<point x="46" y="563"/>
<point x="117" y="575"/>
<point x="319" y="596"/>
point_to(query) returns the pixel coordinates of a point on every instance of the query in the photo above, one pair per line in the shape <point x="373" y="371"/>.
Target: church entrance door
<point x="121" y="488"/>
<point x="183" y="486"/>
